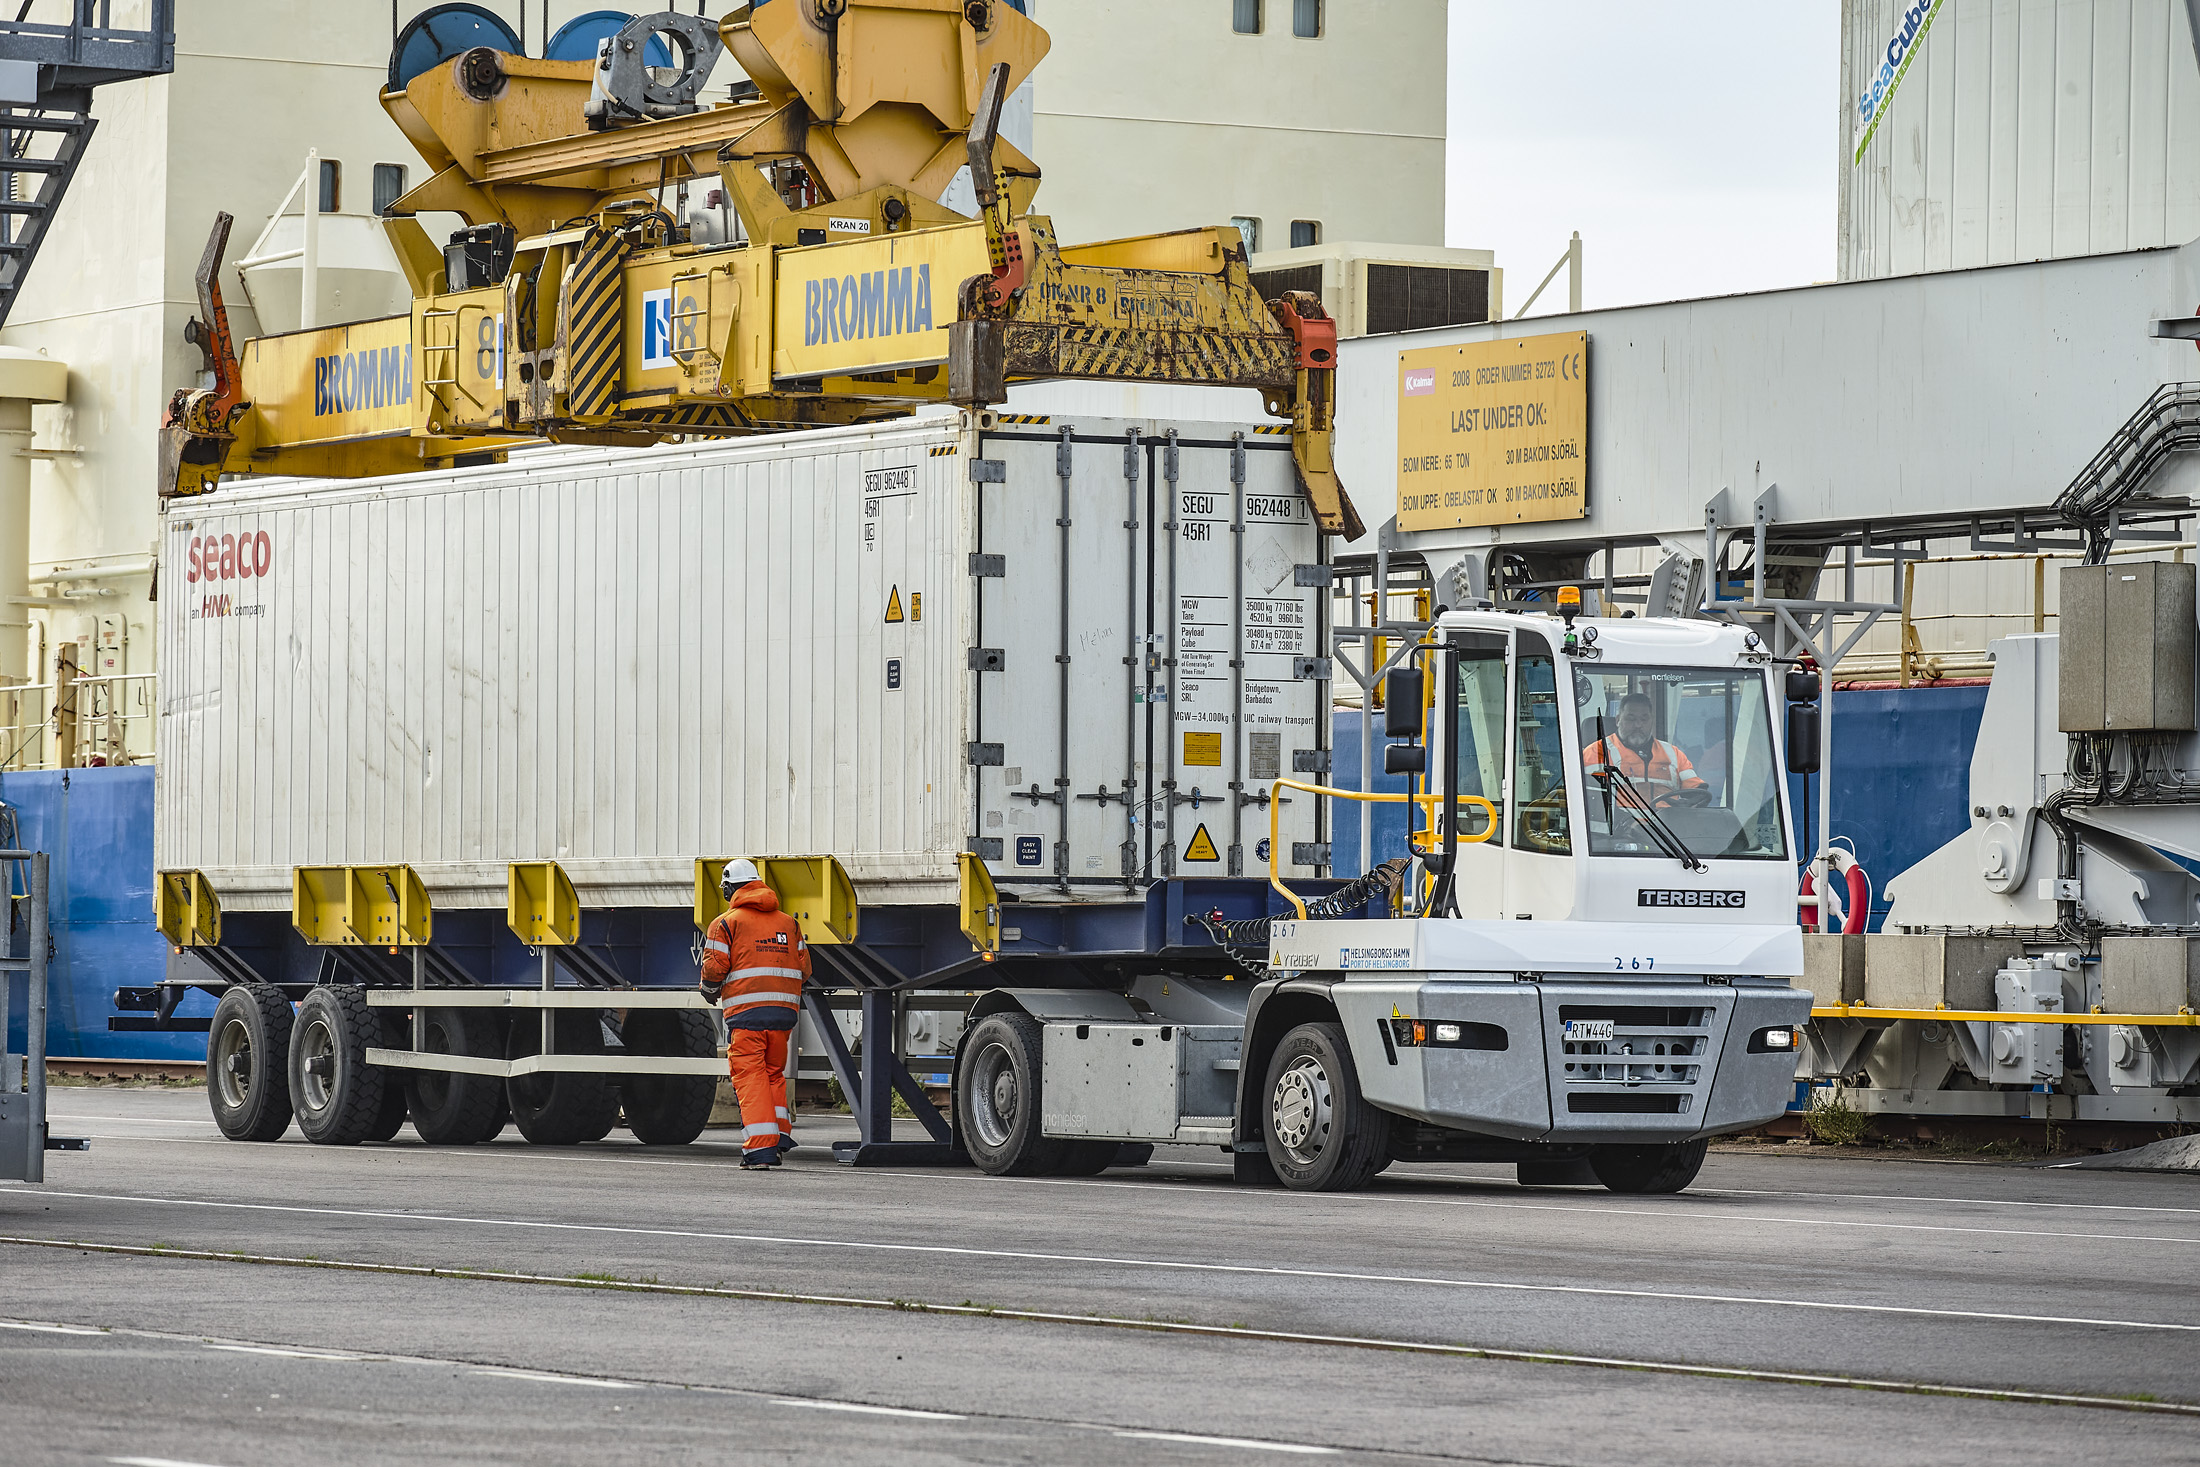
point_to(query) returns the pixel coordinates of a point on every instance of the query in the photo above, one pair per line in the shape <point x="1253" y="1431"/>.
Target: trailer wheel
<point x="247" y="1063"/>
<point x="447" y="1108"/>
<point x="669" y="1110"/>
<point x="1649" y="1168"/>
<point x="338" y="1095"/>
<point x="1322" y="1134"/>
<point x="395" y="1035"/>
<point x="997" y="1101"/>
<point x="561" y="1108"/>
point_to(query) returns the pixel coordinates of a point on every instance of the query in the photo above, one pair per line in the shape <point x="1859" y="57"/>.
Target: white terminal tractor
<point x="1583" y="968"/>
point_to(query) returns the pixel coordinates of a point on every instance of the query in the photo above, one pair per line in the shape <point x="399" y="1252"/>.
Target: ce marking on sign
<point x="1569" y="367"/>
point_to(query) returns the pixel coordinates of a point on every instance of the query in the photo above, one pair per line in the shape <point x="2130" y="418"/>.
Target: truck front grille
<point x="1650" y="1045"/>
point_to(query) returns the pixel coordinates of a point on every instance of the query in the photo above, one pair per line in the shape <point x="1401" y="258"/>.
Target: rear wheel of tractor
<point x="338" y="1095"/>
<point x="248" y="1062"/>
<point x="447" y="1108"/>
<point x="997" y="1101"/>
<point x="1322" y="1134"/>
<point x="669" y="1110"/>
<point x="561" y="1108"/>
<point x="1667" y="1168"/>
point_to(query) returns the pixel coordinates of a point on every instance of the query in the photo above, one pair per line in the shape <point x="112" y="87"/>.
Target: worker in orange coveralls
<point x="754" y="961"/>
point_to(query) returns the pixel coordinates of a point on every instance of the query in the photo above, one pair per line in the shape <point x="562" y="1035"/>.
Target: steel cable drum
<point x="577" y="39"/>
<point x="438" y="34"/>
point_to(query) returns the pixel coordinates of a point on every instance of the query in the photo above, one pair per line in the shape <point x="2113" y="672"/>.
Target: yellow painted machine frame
<point x="186" y="910"/>
<point x="540" y="905"/>
<point x="360" y="906"/>
<point x="857" y="296"/>
<point x="815" y="890"/>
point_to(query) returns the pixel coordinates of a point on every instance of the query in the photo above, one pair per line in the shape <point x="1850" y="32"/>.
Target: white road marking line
<point x="123" y="1120"/>
<point x="1248" y="1443"/>
<point x="1159" y="1264"/>
<point x="47" y="1329"/>
<point x="863" y="1410"/>
<point x="1955" y="1201"/>
<point x="154" y="1462"/>
<point x="288" y="1354"/>
<point x="545" y="1378"/>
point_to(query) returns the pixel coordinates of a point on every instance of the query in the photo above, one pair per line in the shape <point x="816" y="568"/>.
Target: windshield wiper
<point x="1645" y="813"/>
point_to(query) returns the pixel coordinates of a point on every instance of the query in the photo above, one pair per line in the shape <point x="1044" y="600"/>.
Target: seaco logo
<point x="351" y="381"/>
<point x="857" y="307"/>
<point x="229" y="557"/>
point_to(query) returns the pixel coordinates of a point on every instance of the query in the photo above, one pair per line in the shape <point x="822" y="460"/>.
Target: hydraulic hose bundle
<point x="1246" y="939"/>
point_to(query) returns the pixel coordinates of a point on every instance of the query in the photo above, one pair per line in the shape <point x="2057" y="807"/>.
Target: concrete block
<point x="1833" y="967"/>
<point x="2149" y="975"/>
<point x="1902" y="971"/>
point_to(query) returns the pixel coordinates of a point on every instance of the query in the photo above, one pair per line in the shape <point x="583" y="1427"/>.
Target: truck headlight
<point x="1447" y="1033"/>
<point x="1771" y="1041"/>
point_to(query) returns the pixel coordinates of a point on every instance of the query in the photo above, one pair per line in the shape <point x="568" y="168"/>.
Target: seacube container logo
<point x="246" y="556"/>
<point x="1894" y="62"/>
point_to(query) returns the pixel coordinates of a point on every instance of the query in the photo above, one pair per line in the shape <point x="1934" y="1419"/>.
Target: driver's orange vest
<point x="1666" y="768"/>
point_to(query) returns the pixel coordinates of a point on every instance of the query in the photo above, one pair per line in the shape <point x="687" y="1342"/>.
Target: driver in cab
<point x="1658" y="769"/>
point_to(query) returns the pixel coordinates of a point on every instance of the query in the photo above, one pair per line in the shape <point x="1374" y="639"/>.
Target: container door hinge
<point x="1130" y="457"/>
<point x="985" y="847"/>
<point x="1311" y="669"/>
<point x="1309" y="761"/>
<point x="1313" y="575"/>
<point x="983" y="754"/>
<point x="986" y="659"/>
<point x="1237" y="460"/>
<point x="1061" y="456"/>
<point x="1310" y="853"/>
<point x="1168" y="459"/>
<point x="989" y="471"/>
<point x="988" y="567"/>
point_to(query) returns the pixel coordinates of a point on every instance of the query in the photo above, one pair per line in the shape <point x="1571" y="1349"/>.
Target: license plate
<point x="1588" y="1029"/>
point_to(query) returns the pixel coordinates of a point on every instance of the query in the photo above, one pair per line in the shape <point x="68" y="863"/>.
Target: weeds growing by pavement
<point x="1832" y="1121"/>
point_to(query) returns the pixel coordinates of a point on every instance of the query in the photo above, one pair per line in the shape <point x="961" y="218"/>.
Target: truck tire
<point x="337" y="1094"/>
<point x="450" y="1109"/>
<point x="669" y="1110"/>
<point x="393" y="1029"/>
<point x="1322" y="1134"/>
<point x="248" y="1062"/>
<point x="1649" y="1168"/>
<point x="561" y="1109"/>
<point x="997" y="1099"/>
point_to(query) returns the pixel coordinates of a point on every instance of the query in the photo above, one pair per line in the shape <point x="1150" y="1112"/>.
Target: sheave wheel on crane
<point x="669" y="1110"/>
<point x="247" y="1063"/>
<point x="1322" y="1134"/>
<point x="997" y="1099"/>
<point x="338" y="1095"/>
<point x="1668" y="1168"/>
<point x="561" y="1108"/>
<point x="450" y="1109"/>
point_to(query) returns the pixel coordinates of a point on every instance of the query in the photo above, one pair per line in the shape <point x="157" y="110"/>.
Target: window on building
<point x="389" y="185"/>
<point x="332" y="185"/>
<point x="1305" y="232"/>
<point x="1245" y="17"/>
<point x="1306" y="18"/>
<point x="1249" y="229"/>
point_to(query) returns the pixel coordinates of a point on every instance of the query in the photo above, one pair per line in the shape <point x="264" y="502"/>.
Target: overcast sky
<point x="1693" y="145"/>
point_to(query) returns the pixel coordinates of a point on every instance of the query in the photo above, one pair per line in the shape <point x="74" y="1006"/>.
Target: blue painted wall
<point x="1901" y="781"/>
<point x="97" y="825"/>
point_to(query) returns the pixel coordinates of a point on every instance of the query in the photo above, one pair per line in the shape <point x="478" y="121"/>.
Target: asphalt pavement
<point x="619" y="1303"/>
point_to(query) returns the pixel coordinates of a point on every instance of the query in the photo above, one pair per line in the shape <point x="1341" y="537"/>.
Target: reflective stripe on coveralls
<point x="1666" y="768"/>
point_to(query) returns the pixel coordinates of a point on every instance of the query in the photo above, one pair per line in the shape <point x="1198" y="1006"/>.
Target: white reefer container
<point x="889" y="644"/>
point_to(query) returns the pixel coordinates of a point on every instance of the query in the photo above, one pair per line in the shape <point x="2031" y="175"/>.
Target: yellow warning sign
<point x="1203" y="748"/>
<point x="893" y="604"/>
<point x="916" y="606"/>
<point x="1202" y="847"/>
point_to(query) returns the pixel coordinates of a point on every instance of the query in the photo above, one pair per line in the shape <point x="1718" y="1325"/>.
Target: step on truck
<point x="1583" y="968"/>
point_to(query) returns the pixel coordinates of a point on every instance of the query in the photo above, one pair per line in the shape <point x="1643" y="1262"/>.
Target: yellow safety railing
<point x="1428" y="801"/>
<point x="2184" y="1017"/>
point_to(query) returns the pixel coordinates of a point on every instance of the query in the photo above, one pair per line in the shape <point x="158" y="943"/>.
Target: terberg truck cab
<point x="1588" y="972"/>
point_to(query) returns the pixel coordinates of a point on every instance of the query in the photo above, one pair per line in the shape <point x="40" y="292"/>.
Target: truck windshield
<point x="1691" y="747"/>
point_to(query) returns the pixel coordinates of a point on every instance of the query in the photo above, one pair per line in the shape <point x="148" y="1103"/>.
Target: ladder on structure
<point x="48" y="68"/>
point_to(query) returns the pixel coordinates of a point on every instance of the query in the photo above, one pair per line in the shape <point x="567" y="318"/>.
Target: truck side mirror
<point x="1405" y="759"/>
<point x="1402" y="703"/>
<point x="1802" y="738"/>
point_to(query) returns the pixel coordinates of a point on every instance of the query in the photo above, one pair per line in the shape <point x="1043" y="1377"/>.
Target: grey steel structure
<point x="24" y="1141"/>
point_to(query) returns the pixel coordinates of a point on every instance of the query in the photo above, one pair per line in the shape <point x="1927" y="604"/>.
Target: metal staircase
<point x="47" y="71"/>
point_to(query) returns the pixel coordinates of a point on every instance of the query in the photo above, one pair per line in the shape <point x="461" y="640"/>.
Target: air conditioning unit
<point x="1374" y="290"/>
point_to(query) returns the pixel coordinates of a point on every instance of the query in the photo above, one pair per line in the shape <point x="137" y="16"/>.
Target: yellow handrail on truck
<point x="1275" y="821"/>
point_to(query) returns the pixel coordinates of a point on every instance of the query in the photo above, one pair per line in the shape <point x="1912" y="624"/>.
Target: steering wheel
<point x="1695" y="797"/>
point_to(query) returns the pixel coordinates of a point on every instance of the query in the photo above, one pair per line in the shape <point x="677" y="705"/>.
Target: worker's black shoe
<point x="763" y="1156"/>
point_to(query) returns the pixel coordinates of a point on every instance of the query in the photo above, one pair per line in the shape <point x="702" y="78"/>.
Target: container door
<point x="1247" y="697"/>
<point x="1061" y="626"/>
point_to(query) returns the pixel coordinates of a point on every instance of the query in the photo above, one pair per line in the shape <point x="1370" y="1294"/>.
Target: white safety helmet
<point x="738" y="873"/>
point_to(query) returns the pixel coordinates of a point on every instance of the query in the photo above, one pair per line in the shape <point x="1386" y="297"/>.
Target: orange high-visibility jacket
<point x="1666" y="768"/>
<point x="756" y="959"/>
